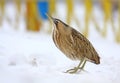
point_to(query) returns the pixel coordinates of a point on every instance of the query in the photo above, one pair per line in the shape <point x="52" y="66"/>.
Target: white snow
<point x="27" y="57"/>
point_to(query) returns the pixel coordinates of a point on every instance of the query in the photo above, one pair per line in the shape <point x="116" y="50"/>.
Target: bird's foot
<point x="72" y="71"/>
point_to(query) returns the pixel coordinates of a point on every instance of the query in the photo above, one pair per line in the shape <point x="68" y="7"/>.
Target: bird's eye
<point x="56" y="22"/>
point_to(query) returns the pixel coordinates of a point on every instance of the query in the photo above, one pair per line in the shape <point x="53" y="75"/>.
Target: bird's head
<point x="58" y="24"/>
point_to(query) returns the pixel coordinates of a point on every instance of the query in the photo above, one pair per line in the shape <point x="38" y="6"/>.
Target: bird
<point x="73" y="44"/>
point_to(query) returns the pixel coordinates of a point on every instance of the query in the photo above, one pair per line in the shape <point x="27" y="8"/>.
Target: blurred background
<point x="28" y="54"/>
<point x="30" y="15"/>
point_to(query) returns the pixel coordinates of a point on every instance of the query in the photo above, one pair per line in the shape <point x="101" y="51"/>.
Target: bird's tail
<point x="97" y="60"/>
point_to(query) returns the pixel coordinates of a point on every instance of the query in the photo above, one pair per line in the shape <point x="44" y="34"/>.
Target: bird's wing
<point x="82" y="45"/>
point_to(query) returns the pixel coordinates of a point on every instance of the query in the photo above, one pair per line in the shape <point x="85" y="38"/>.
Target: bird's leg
<point x="75" y="69"/>
<point x="83" y="65"/>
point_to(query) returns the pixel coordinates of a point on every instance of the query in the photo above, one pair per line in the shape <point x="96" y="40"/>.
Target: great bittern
<point x="73" y="44"/>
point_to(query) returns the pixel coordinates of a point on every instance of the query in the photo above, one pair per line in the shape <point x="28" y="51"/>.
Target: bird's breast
<point x="62" y="42"/>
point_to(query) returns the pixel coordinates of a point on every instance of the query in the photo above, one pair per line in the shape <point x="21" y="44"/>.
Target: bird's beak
<point x="51" y="19"/>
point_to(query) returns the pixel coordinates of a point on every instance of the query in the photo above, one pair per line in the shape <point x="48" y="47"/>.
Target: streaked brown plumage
<point x="73" y="44"/>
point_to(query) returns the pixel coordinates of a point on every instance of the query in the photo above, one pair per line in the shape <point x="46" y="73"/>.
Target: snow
<point x="27" y="57"/>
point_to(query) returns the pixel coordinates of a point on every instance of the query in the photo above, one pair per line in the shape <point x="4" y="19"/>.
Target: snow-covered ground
<point x="27" y="57"/>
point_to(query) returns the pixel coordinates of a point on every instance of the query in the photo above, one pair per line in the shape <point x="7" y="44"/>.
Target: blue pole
<point x="43" y="9"/>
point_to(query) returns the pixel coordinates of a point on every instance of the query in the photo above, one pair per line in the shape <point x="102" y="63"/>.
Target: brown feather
<point x="73" y="44"/>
